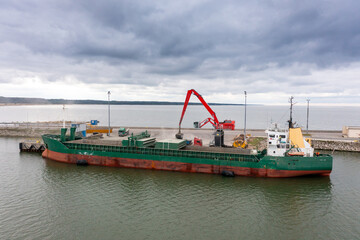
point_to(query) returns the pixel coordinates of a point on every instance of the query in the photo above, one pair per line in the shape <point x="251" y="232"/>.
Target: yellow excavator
<point x="240" y="141"/>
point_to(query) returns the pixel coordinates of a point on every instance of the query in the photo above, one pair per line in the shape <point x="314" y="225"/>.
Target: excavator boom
<point x="214" y="120"/>
<point x="187" y="99"/>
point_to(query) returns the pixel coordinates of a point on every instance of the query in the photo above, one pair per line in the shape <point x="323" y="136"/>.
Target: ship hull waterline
<point x="176" y="166"/>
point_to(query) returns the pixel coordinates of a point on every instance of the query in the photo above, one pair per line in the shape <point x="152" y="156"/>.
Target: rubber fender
<point x="226" y="173"/>
<point x="82" y="162"/>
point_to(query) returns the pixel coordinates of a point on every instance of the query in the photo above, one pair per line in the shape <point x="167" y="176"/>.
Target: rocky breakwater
<point x="337" y="145"/>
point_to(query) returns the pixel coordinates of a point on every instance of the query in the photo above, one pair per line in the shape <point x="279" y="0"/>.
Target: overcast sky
<point x="157" y="50"/>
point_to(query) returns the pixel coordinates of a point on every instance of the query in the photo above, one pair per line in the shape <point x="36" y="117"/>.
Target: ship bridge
<point x="292" y="142"/>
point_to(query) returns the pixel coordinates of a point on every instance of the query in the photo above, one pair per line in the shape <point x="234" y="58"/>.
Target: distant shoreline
<point x="111" y="103"/>
<point x="17" y="101"/>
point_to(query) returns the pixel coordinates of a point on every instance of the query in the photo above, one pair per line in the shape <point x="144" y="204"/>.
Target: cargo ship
<point x="287" y="154"/>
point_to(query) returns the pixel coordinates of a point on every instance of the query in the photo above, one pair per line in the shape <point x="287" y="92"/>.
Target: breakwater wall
<point x="336" y="145"/>
<point x="26" y="132"/>
<point x="31" y="129"/>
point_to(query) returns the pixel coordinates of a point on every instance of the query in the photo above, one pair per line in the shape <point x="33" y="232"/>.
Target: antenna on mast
<point x="291" y="124"/>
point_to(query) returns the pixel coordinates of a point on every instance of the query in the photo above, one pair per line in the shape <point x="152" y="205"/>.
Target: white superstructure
<point x="277" y="142"/>
<point x="292" y="142"/>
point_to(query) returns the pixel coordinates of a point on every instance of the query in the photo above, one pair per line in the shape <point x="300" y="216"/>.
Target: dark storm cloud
<point x="128" y="40"/>
<point x="282" y="31"/>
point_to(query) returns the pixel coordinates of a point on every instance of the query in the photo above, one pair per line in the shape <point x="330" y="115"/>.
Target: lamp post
<point x="307" y="116"/>
<point x="109" y="111"/>
<point x="245" y="117"/>
<point x="63" y="115"/>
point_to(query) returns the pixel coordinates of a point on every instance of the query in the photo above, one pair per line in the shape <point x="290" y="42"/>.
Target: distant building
<point x="351" y="131"/>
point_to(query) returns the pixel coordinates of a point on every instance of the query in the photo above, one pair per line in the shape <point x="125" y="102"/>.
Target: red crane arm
<point x="188" y="95"/>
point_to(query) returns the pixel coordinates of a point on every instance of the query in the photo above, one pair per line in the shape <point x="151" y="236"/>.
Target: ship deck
<point x="118" y="142"/>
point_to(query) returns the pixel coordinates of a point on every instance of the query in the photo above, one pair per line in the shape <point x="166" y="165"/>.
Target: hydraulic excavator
<point x="227" y="124"/>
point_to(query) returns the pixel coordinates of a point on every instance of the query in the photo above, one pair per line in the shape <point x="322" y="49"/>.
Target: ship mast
<point x="291" y="125"/>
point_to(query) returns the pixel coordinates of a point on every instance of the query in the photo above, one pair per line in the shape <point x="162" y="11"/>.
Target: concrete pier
<point x="31" y="147"/>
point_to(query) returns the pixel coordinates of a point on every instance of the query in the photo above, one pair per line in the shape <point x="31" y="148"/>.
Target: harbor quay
<point x="321" y="139"/>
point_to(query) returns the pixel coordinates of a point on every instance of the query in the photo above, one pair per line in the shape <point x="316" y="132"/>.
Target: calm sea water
<point x="258" y="117"/>
<point x="42" y="199"/>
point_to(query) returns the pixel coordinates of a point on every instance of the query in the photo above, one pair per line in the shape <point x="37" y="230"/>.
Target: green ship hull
<point x="183" y="160"/>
